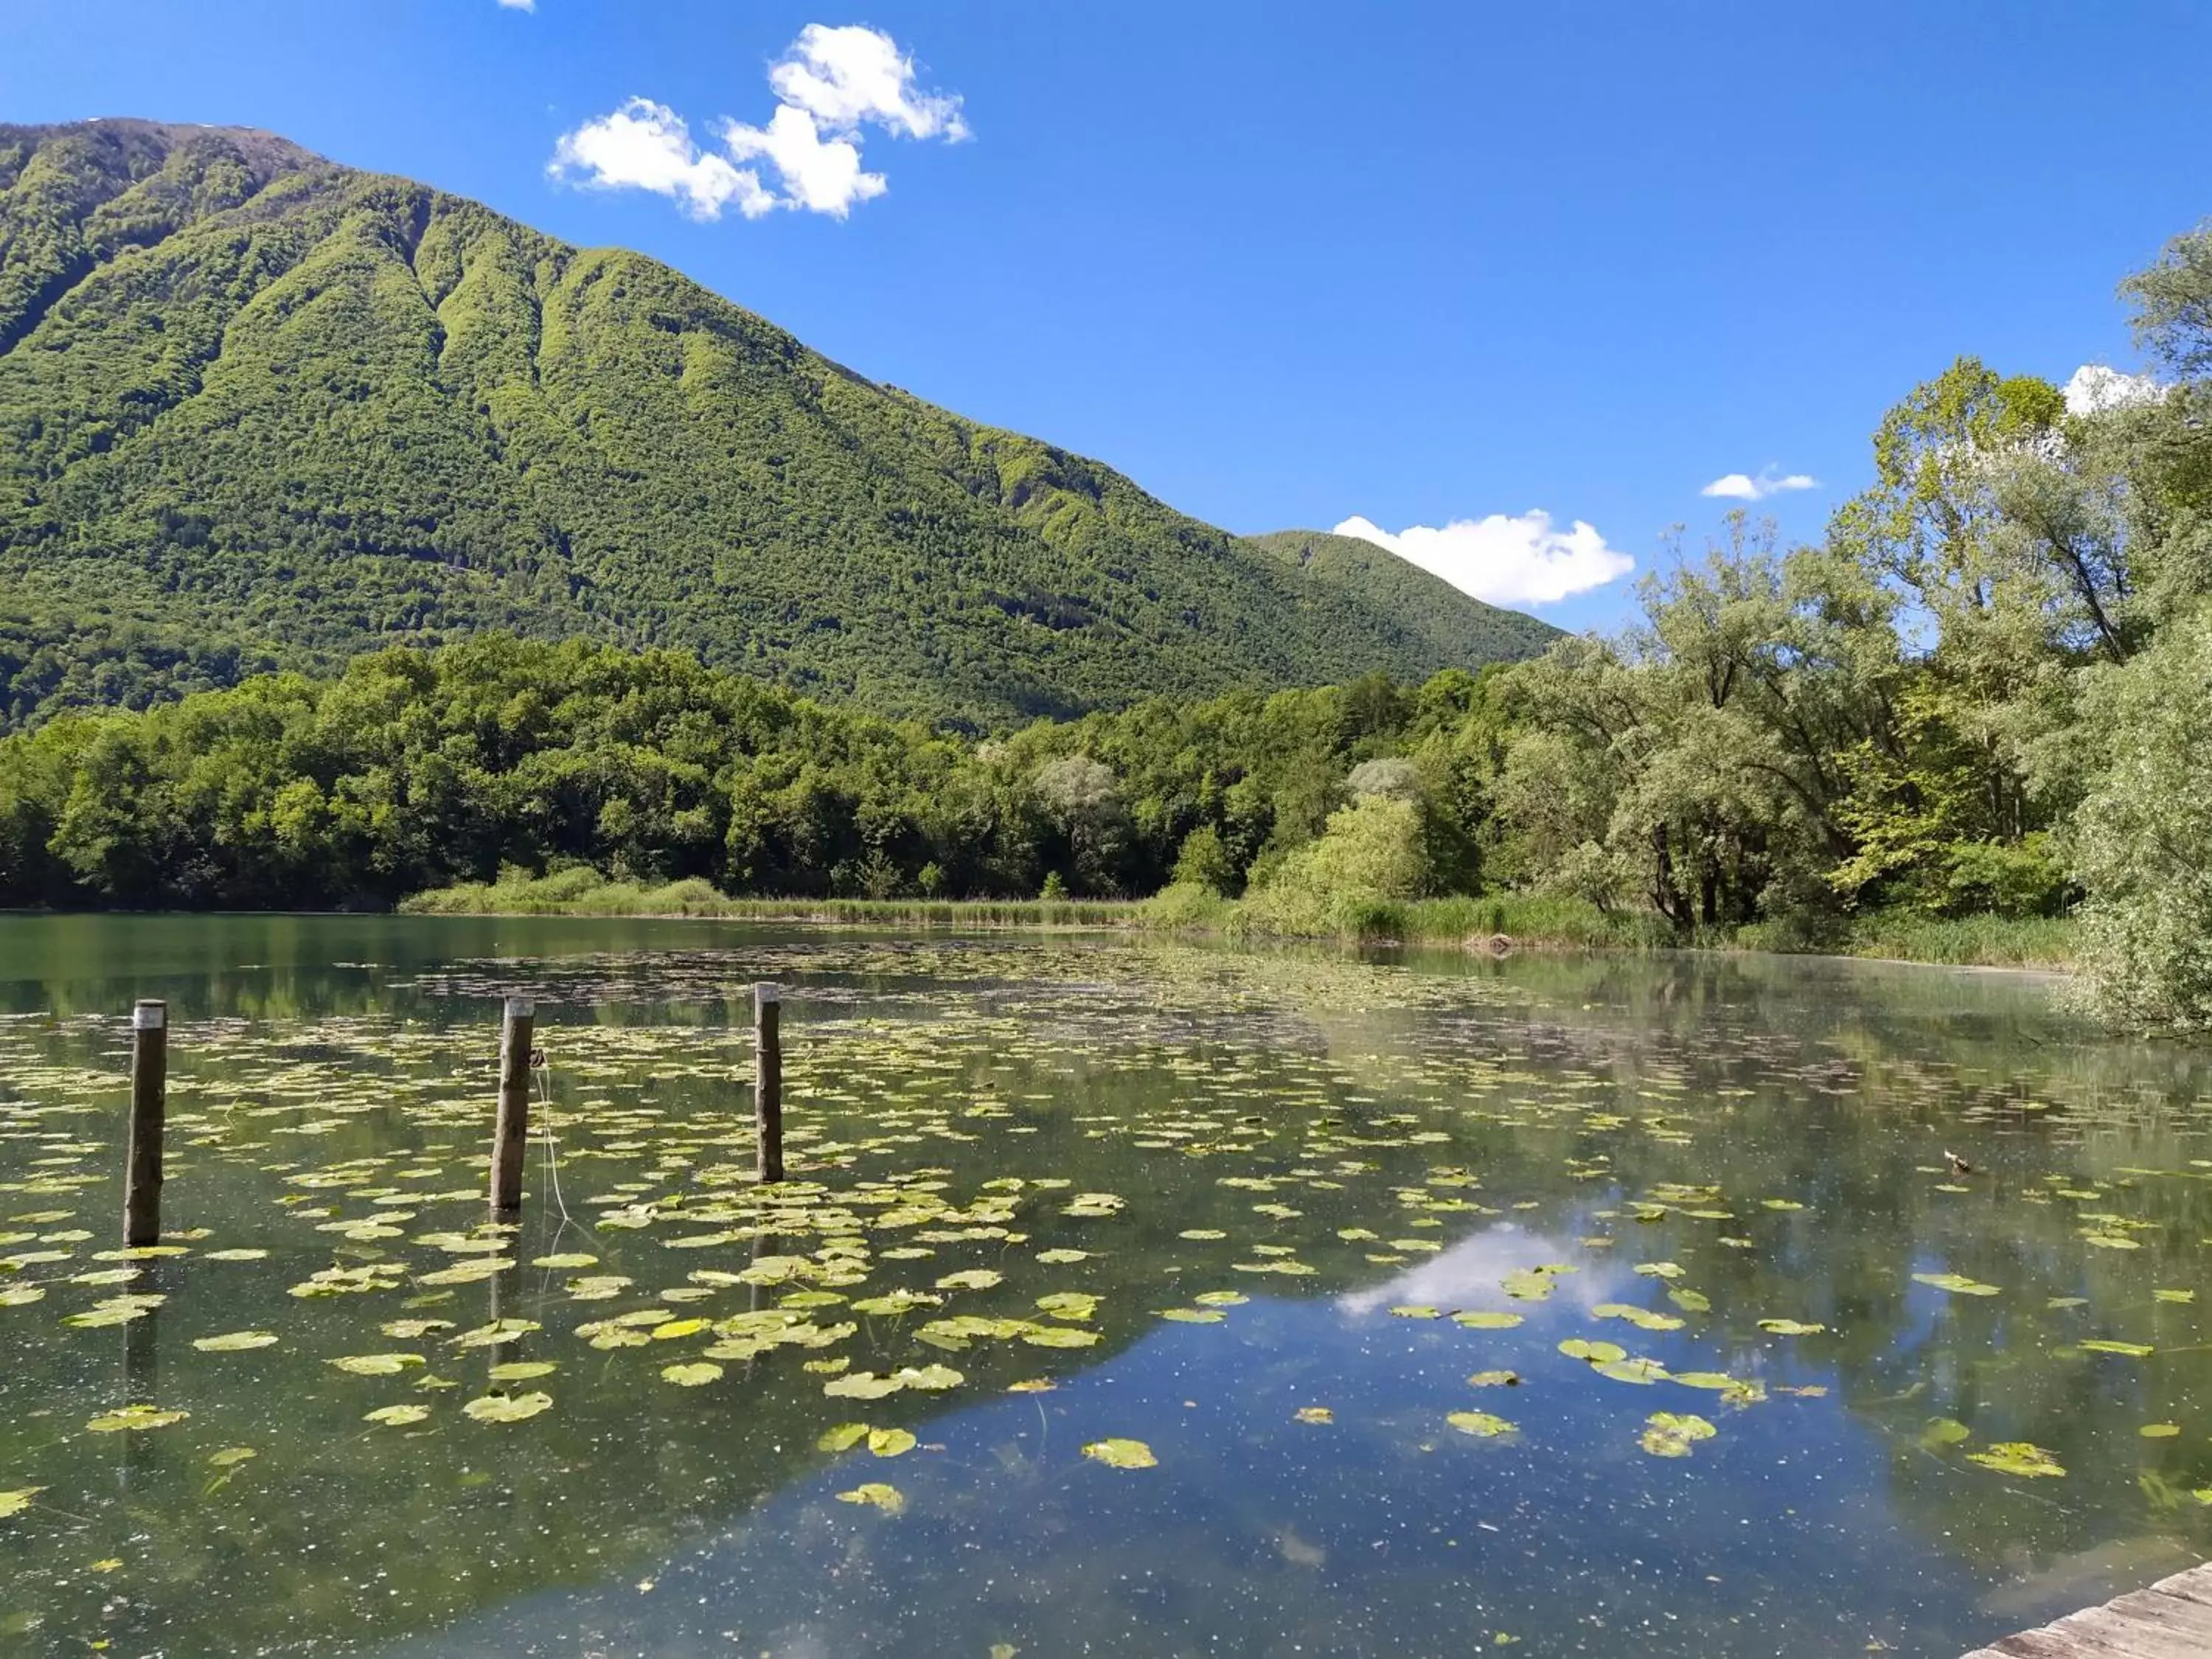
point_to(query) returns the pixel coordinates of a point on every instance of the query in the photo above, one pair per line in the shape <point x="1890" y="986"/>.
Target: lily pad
<point x="235" y="1342"/>
<point x="875" y="1495"/>
<point x="507" y="1407"/>
<point x="697" y="1374"/>
<point x="1122" y="1454"/>
<point x="1671" y="1434"/>
<point x="397" y="1417"/>
<point x="1957" y="1284"/>
<point x="890" y="1443"/>
<point x="14" y="1503"/>
<point x="1481" y="1425"/>
<point x="2018" y="1457"/>
<point x="135" y="1417"/>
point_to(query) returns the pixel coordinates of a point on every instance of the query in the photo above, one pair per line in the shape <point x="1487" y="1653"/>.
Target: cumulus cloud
<point x="1527" y="560"/>
<point x="519" y="5"/>
<point x="845" y="76"/>
<point x="2094" y="388"/>
<point x="831" y="85"/>
<point x="1742" y="487"/>
<point x="646" y="146"/>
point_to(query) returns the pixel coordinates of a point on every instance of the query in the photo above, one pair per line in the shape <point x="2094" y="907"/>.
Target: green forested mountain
<point x="257" y="408"/>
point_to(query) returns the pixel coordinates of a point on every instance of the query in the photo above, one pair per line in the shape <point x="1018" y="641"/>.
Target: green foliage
<point x="1370" y="859"/>
<point x="257" y="410"/>
<point x="2144" y="835"/>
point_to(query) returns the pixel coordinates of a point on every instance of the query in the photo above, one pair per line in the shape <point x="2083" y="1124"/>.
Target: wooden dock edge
<point x="2171" y="1619"/>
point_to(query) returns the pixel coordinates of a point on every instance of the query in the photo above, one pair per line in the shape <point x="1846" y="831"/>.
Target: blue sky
<point x="1290" y="263"/>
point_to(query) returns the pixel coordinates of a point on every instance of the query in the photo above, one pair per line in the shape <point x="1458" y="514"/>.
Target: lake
<point x="1127" y="1297"/>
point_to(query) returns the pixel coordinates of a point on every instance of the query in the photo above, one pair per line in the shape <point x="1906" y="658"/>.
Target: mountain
<point x="257" y="408"/>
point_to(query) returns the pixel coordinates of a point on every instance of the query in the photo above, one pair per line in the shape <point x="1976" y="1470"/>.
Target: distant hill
<point x="1443" y="620"/>
<point x="257" y="408"/>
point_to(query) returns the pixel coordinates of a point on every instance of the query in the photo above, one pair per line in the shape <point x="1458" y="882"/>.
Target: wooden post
<point x="511" y="1130"/>
<point x="768" y="1080"/>
<point x="149" y="1095"/>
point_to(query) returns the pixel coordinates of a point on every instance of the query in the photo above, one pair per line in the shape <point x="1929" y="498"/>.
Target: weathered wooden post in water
<point x="149" y="1094"/>
<point x="511" y="1130"/>
<point x="768" y="1080"/>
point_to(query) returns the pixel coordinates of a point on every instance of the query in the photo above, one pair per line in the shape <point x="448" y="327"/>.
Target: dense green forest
<point x="1987" y="690"/>
<point x="257" y="408"/>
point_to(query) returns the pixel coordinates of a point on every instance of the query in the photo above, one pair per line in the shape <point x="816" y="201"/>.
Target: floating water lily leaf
<point x="1597" y="1353"/>
<point x="1069" y="1304"/>
<point x="1790" y="1327"/>
<point x="376" y="1364"/>
<point x="1479" y="1319"/>
<point x="1193" y="1315"/>
<point x="1196" y="1235"/>
<point x="567" y="1259"/>
<point x="1659" y="1269"/>
<point x="1945" y="1432"/>
<point x="1632" y="1370"/>
<point x="930" y="1378"/>
<point x="1496" y="1379"/>
<point x="2126" y="1350"/>
<point x="877" y="1495"/>
<point x="1059" y="1336"/>
<point x="498" y="1332"/>
<point x="17" y="1296"/>
<point x="14" y="1503"/>
<point x="522" y="1370"/>
<point x="231" y="1456"/>
<point x="1032" y="1385"/>
<point x="1315" y="1414"/>
<point x="1058" y="1258"/>
<point x="411" y="1330"/>
<point x="1527" y="1284"/>
<point x="1716" y="1380"/>
<point x="843" y="1437"/>
<point x="861" y="1385"/>
<point x="1957" y="1284"/>
<point x="2159" y="1431"/>
<point x="397" y="1417"/>
<point x="135" y="1417"/>
<point x="1417" y="1313"/>
<point x="507" y="1407"/>
<point x="1221" y="1299"/>
<point x="890" y="1443"/>
<point x="1689" y="1301"/>
<point x="1642" y="1318"/>
<point x="2017" y="1457"/>
<point x="1481" y="1425"/>
<point x="695" y="1375"/>
<point x="1122" y="1454"/>
<point x="1670" y="1434"/>
<point x="235" y="1341"/>
<point x="973" y="1279"/>
<point x="671" y="1330"/>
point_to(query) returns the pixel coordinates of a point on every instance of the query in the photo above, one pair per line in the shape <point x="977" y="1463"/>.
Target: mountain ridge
<point x="261" y="408"/>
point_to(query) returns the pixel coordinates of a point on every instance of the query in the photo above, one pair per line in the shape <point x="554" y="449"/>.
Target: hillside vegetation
<point x="257" y="409"/>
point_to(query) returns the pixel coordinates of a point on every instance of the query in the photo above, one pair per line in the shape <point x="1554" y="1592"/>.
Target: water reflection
<point x="1732" y="1169"/>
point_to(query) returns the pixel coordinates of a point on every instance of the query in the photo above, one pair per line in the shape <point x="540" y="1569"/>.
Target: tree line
<point x="1986" y="689"/>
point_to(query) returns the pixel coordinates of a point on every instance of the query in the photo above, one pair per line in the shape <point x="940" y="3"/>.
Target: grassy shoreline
<point x="1526" y="922"/>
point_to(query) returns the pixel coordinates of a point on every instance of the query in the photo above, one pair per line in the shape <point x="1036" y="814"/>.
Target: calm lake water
<point x="1600" y="1307"/>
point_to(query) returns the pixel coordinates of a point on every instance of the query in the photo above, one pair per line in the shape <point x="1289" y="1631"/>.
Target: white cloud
<point x="2094" y="388"/>
<point x="831" y="85"/>
<point x="646" y="146"/>
<point x="1504" y="560"/>
<point x="519" y="5"/>
<point x="846" y="76"/>
<point x="822" y="176"/>
<point x="1742" y="487"/>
